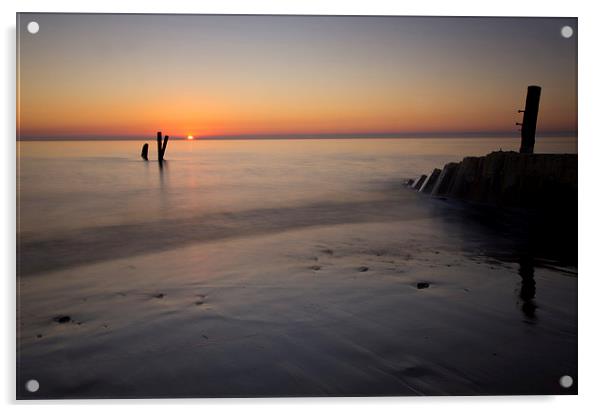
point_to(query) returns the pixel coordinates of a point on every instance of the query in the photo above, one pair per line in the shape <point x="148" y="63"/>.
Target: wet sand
<point x="329" y="309"/>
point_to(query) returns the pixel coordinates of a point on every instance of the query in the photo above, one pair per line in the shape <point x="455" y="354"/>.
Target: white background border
<point x="590" y="148"/>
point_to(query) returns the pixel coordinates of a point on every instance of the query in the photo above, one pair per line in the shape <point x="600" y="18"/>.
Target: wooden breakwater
<point x="525" y="179"/>
<point x="506" y="179"/>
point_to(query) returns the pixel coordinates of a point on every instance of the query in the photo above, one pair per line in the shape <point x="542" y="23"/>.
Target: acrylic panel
<point x="274" y="205"/>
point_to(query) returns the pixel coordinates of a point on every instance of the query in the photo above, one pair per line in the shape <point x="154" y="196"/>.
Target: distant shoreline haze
<point x="423" y="135"/>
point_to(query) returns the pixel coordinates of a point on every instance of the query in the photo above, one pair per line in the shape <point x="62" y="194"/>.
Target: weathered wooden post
<point x="529" y="119"/>
<point x="144" y="153"/>
<point x="159" y="146"/>
<point x="164" y="147"/>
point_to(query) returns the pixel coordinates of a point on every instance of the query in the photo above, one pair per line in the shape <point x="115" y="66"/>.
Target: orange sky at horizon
<point x="215" y="75"/>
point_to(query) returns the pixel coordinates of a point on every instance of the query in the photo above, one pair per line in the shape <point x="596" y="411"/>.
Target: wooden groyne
<point x="517" y="179"/>
<point x="507" y="179"/>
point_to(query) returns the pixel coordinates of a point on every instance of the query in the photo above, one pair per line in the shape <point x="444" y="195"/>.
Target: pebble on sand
<point x="422" y="285"/>
<point x="62" y="319"/>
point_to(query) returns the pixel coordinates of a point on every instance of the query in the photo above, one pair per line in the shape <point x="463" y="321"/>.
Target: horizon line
<point x="284" y="136"/>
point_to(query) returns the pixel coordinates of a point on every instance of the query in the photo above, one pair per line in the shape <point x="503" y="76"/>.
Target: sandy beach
<point x="326" y="310"/>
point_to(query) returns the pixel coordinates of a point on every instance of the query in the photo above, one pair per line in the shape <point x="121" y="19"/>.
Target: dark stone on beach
<point x="62" y="319"/>
<point x="160" y="295"/>
<point x="422" y="285"/>
<point x="39" y="336"/>
<point x="315" y="267"/>
<point x="363" y="269"/>
<point x="429" y="184"/>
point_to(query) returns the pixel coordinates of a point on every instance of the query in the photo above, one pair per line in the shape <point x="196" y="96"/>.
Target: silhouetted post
<point x="159" y="147"/>
<point x="529" y="119"/>
<point x="162" y="154"/>
<point x="144" y="153"/>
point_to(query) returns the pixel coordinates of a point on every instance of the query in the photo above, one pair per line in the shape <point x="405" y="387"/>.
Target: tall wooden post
<point x="159" y="147"/>
<point x="529" y="119"/>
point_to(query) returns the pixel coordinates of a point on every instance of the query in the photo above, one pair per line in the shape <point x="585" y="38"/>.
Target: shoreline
<point x="331" y="311"/>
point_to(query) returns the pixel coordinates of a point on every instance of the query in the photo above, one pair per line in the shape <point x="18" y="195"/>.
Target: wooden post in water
<point x="529" y="124"/>
<point x="144" y="153"/>
<point x="159" y="146"/>
<point x="163" y="148"/>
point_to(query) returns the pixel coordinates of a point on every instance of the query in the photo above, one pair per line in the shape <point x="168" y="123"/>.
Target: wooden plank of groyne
<point x="418" y="184"/>
<point x="466" y="176"/>
<point x="446" y="179"/>
<point x="430" y="181"/>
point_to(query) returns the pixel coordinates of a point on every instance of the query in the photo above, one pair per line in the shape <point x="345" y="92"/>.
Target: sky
<point x="118" y="76"/>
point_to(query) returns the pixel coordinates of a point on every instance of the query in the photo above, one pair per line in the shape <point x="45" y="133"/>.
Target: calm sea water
<point x="281" y="267"/>
<point x="66" y="185"/>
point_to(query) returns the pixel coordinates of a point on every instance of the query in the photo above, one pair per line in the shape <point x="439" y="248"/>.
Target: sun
<point x="190" y="137"/>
